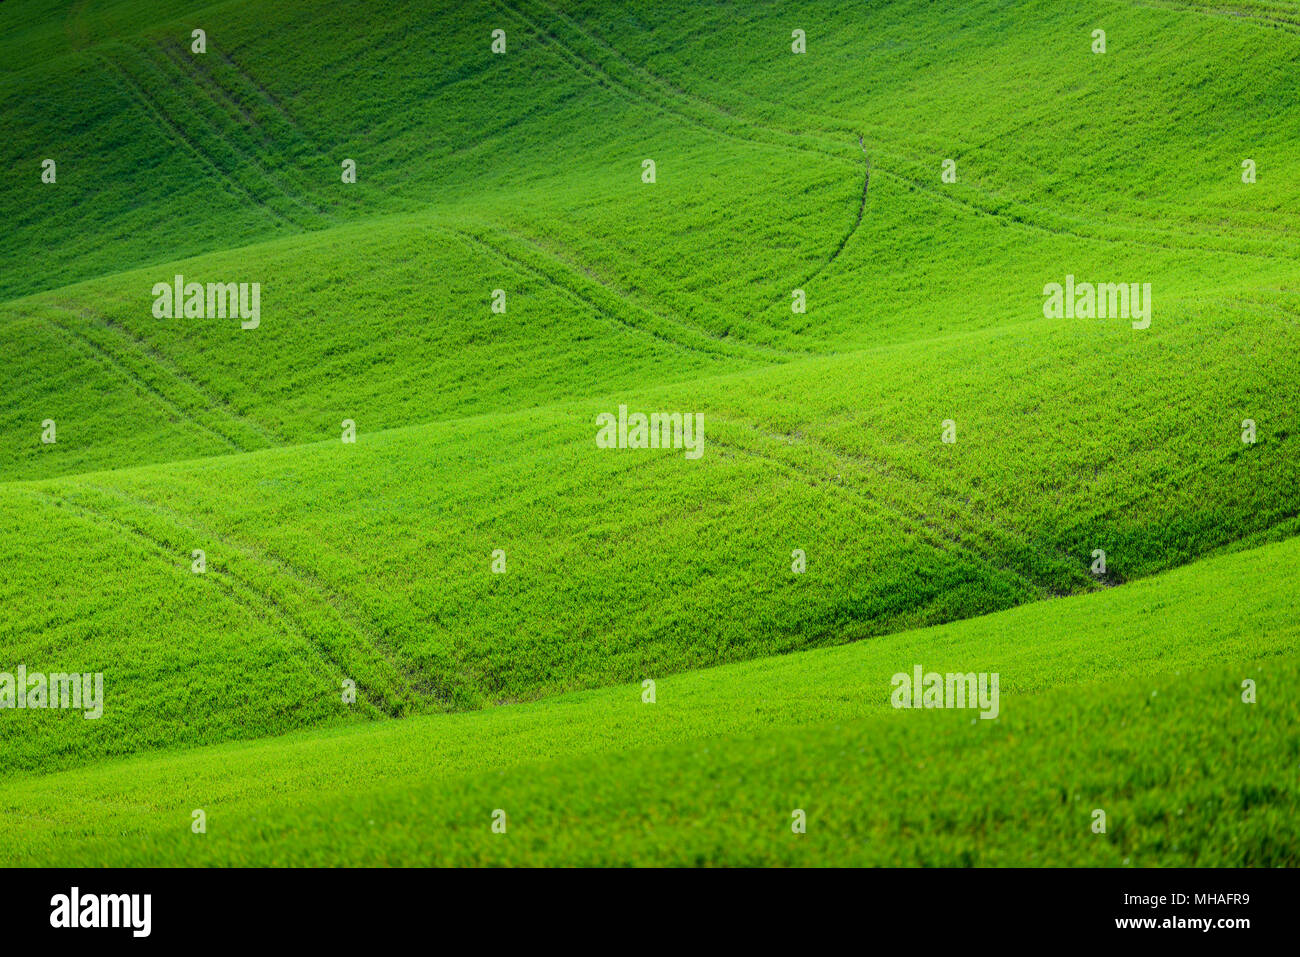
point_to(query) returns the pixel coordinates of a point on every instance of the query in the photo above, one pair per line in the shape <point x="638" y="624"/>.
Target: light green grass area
<point x="1118" y="700"/>
<point x="372" y="562"/>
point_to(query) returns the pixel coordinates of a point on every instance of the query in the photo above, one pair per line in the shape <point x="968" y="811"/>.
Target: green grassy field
<point x="1118" y="700"/>
<point x="373" y="561"/>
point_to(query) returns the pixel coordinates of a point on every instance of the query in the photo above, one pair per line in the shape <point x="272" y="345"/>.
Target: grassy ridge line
<point x="387" y="359"/>
<point x="251" y="136"/>
<point x="966" y="100"/>
<point x="608" y="579"/>
<point x="635" y="67"/>
<point x="1239" y="608"/>
<point x="796" y="124"/>
<point x="845" y="295"/>
<point x="410" y="338"/>
<point x="902" y="159"/>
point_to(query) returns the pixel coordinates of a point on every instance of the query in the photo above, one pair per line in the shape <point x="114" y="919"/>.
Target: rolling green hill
<point x="373" y="562"/>
<point x="1118" y="700"/>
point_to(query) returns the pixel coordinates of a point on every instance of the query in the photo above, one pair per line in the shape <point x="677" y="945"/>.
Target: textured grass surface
<point x="371" y="562"/>
<point x="1117" y="700"/>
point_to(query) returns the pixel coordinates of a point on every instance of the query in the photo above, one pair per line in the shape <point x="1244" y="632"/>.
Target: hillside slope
<point x="373" y="561"/>
<point x="1119" y="699"/>
<point x="923" y="442"/>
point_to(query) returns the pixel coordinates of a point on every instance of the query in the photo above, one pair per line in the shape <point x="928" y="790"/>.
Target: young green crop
<point x="1117" y="699"/>
<point x="515" y="179"/>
